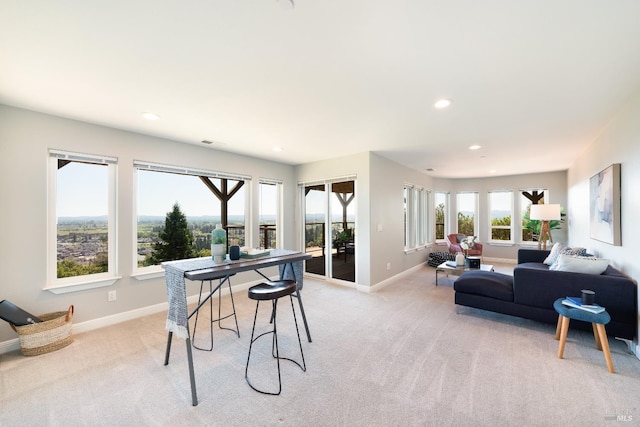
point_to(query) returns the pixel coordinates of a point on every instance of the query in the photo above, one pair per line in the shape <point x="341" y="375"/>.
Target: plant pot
<point x="218" y="252"/>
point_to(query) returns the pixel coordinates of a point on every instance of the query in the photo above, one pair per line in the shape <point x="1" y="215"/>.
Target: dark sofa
<point x="531" y="291"/>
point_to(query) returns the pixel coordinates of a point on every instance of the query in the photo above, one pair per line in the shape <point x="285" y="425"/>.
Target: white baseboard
<point x="388" y="281"/>
<point x="89" y="325"/>
<point x="489" y="260"/>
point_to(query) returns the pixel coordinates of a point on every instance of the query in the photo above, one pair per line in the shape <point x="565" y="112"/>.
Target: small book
<point x="451" y="264"/>
<point x="571" y="302"/>
<point x="578" y="301"/>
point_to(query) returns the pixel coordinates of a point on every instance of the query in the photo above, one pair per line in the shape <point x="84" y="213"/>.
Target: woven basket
<point x="53" y="333"/>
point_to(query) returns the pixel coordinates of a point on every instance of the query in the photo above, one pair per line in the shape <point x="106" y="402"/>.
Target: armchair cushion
<point x="453" y="243"/>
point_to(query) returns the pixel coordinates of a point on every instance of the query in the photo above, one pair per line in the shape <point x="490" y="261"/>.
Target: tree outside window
<point x="467" y="207"/>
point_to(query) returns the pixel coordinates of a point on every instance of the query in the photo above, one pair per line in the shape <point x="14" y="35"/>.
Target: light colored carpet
<point x="405" y="355"/>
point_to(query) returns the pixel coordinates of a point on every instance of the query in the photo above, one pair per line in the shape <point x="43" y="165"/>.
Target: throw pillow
<point x="460" y="238"/>
<point x="577" y="251"/>
<point x="555" y="251"/>
<point x="468" y="242"/>
<point x="580" y="264"/>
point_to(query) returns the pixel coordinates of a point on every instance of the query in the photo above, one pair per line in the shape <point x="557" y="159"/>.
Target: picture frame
<point x="604" y="205"/>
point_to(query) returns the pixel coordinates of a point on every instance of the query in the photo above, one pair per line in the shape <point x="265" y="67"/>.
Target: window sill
<point x="415" y="249"/>
<point x="497" y="243"/>
<point x="153" y="273"/>
<point x="82" y="286"/>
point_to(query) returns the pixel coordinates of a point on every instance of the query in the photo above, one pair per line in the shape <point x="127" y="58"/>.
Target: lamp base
<point x="545" y="234"/>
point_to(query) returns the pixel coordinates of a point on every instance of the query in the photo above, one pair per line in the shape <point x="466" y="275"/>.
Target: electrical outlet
<point x="388" y="266"/>
<point x="112" y="296"/>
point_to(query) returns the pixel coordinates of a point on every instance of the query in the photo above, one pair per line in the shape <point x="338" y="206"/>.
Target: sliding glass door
<point x="330" y="229"/>
<point x="315" y="207"/>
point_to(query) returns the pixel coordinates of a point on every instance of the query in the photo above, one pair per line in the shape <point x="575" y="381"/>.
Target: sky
<point x="82" y="191"/>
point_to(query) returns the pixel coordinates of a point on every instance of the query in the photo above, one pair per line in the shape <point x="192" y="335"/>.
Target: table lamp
<point x="545" y="213"/>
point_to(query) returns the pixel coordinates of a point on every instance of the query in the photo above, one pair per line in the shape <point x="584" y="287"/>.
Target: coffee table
<point x="458" y="270"/>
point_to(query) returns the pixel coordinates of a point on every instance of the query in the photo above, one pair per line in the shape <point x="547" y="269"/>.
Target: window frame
<point x="279" y="208"/>
<point x="446" y="227"/>
<point x="520" y="227"/>
<point x="77" y="283"/>
<point x="416" y="223"/>
<point x="491" y="227"/>
<point x="153" y="271"/>
<point x="475" y="210"/>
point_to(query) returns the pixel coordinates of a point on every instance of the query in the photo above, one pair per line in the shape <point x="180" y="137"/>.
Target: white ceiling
<point x="533" y="82"/>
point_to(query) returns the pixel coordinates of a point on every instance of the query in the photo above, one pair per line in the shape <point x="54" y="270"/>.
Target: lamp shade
<point x="545" y="212"/>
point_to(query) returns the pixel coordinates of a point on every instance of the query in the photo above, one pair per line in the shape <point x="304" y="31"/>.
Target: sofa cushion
<point x="555" y="251"/>
<point x="580" y="264"/>
<point x="485" y="283"/>
<point x="568" y="250"/>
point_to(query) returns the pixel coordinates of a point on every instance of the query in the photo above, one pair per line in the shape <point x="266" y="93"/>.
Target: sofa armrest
<point x="532" y="255"/>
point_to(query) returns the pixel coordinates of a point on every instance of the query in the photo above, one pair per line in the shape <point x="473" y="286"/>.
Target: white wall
<point x="25" y="138"/>
<point x="387" y="201"/>
<point x="618" y="143"/>
<point x="358" y="165"/>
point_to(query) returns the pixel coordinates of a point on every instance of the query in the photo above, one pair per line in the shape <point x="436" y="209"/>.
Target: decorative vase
<point x="460" y="259"/>
<point x="218" y="244"/>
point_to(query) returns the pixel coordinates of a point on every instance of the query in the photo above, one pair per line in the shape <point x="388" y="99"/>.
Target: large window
<point x="527" y="198"/>
<point x="205" y="198"/>
<point x="82" y="218"/>
<point x="269" y="212"/>
<point x="467" y="209"/>
<point x="500" y="216"/>
<point x="415" y="216"/>
<point x="441" y="214"/>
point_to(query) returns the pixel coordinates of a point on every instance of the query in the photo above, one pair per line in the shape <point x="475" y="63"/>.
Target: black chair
<point x="273" y="291"/>
<point x="220" y="317"/>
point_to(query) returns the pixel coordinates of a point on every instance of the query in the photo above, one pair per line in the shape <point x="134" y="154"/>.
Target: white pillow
<point x="568" y="250"/>
<point x="580" y="264"/>
<point x="555" y="251"/>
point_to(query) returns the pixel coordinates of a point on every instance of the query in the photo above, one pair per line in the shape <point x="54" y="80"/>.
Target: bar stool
<point x="273" y="291"/>
<point x="597" y="323"/>
<point x="220" y="317"/>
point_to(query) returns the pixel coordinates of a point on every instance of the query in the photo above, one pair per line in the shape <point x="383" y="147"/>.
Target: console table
<point x="290" y="266"/>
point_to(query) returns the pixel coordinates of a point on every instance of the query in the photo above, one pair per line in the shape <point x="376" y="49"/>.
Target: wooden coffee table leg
<point x="563" y="336"/>
<point x="559" y="327"/>
<point x="597" y="336"/>
<point x="605" y="346"/>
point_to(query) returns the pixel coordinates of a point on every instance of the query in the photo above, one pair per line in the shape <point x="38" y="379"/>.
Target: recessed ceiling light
<point x="492" y="171"/>
<point x="277" y="149"/>
<point x="474" y="147"/>
<point x="443" y="103"/>
<point x="151" y="116"/>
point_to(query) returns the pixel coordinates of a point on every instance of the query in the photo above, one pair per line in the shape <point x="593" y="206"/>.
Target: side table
<point x="597" y="321"/>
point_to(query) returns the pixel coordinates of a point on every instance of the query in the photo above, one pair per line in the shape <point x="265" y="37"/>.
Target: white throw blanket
<point x="177" y="315"/>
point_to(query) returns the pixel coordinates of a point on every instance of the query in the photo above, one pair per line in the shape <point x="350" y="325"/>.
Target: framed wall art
<point x="604" y="205"/>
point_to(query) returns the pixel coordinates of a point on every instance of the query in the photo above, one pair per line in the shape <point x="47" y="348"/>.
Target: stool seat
<point x="597" y="320"/>
<point x="272" y="290"/>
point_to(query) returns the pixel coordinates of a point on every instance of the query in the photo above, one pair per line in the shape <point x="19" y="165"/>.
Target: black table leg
<point x="192" y="377"/>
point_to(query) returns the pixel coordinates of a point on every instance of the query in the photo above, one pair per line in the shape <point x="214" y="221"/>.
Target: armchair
<point x="453" y="243"/>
